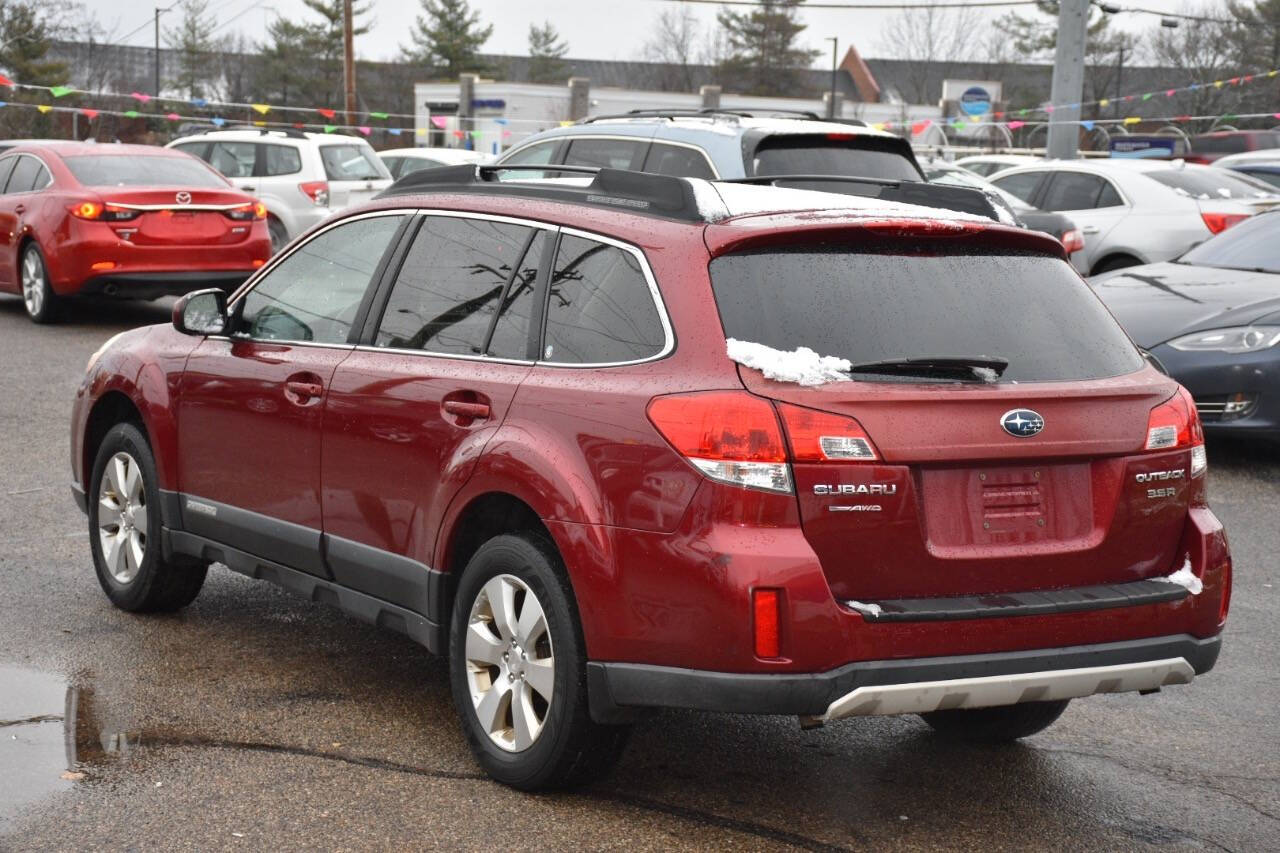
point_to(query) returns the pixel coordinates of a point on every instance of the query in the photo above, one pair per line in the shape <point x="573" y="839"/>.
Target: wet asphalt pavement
<point x="254" y="719"/>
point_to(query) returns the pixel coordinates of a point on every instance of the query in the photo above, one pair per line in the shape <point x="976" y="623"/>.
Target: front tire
<point x="37" y="292"/>
<point x="997" y="725"/>
<point x="518" y="670"/>
<point x="124" y="529"/>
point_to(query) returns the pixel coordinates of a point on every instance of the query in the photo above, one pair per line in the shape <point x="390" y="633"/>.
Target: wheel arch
<point x="111" y="408"/>
<point x="1115" y="254"/>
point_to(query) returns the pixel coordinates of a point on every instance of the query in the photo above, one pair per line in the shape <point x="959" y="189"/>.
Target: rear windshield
<point x="1207" y="184"/>
<point x="1031" y="310"/>
<point x="817" y="155"/>
<point x="352" y="163"/>
<point x="114" y="170"/>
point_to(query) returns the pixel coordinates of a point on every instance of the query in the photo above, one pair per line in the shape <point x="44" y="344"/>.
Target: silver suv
<point x="300" y="177"/>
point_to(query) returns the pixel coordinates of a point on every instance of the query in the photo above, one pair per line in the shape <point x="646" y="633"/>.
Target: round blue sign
<point x="976" y="101"/>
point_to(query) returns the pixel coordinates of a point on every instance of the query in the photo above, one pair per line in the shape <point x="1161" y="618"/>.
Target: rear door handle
<point x="20" y="208"/>
<point x="247" y="189"/>
<point x="475" y="411"/>
<point x="304" y="391"/>
<point x="1089" y="229"/>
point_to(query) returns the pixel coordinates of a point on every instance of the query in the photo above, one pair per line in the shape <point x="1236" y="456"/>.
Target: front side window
<point x="511" y="331"/>
<point x="450" y="285"/>
<point x="314" y="293"/>
<point x="600" y="309"/>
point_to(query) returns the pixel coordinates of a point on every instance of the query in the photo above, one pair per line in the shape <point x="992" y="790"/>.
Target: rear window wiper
<point x="982" y="368"/>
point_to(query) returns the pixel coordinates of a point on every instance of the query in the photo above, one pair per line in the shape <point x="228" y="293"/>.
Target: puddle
<point x="50" y="738"/>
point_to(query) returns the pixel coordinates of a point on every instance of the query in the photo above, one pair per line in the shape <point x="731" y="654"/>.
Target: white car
<point x="1135" y="211"/>
<point x="404" y="161"/>
<point x="300" y="177"/>
<point x="987" y="165"/>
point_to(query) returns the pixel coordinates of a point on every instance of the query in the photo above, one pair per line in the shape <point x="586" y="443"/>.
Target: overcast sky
<point x="594" y="29"/>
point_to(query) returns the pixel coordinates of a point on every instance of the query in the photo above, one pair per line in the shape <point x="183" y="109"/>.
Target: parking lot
<point x="253" y="719"/>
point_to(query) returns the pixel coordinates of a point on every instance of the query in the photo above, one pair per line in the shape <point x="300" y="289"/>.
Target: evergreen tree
<point x="763" y="57"/>
<point x="192" y="39"/>
<point x="289" y="71"/>
<point x="447" y="38"/>
<point x="323" y="43"/>
<point x="26" y="35"/>
<point x="546" y="54"/>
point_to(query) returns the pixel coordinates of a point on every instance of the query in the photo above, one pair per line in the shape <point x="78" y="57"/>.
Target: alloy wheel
<point x="122" y="517"/>
<point x="510" y="662"/>
<point x="32" y="283"/>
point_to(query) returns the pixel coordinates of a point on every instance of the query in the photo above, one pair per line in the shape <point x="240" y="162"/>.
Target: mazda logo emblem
<point x="183" y="197"/>
<point x="1021" y="423"/>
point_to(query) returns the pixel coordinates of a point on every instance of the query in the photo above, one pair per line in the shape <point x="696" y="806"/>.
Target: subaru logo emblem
<point x="183" y="197"/>
<point x="1021" y="423"/>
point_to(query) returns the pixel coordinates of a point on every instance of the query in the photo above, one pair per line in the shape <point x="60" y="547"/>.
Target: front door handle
<point x="20" y="208"/>
<point x="301" y="392"/>
<point x="475" y="411"/>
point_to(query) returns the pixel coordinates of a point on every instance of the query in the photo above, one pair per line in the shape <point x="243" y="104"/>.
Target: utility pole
<point x="831" y="108"/>
<point x="348" y="61"/>
<point x="1068" y="79"/>
<point x="157" y="89"/>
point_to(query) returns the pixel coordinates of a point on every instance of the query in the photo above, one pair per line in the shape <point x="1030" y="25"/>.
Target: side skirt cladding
<point x="394" y="592"/>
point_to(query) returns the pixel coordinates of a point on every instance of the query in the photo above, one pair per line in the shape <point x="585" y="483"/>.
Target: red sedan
<point x="131" y="221"/>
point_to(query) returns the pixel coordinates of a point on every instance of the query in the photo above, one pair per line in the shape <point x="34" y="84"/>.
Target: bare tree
<point x="673" y="45"/>
<point x="927" y="38"/>
<point x="1201" y="50"/>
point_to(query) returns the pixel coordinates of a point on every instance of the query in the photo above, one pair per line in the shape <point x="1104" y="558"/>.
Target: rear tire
<point x="279" y="236"/>
<point x="996" y="725"/>
<point x="499" y="658"/>
<point x="124" y="529"/>
<point x="37" y="292"/>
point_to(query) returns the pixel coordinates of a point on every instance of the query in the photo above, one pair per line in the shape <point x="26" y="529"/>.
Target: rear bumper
<point x="910" y="685"/>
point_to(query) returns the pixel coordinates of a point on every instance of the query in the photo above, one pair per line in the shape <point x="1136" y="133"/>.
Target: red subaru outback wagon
<point x="640" y="441"/>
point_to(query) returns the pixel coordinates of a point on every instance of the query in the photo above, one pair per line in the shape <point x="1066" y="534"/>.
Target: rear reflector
<point x="823" y="437"/>
<point x="765" y="606"/>
<point x="1219" y="222"/>
<point x="102" y="265"/>
<point x="257" y="262"/>
<point x="730" y="436"/>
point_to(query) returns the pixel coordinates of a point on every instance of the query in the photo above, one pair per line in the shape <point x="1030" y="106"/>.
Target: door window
<point x="679" y="161"/>
<point x="24" y="175"/>
<point x="450" y="285"/>
<point x="393" y="165"/>
<point x="314" y="293"/>
<point x="1023" y="185"/>
<point x="195" y="149"/>
<point x="6" y="169"/>
<point x="600" y="309"/>
<point x="511" y="331"/>
<point x="233" y="159"/>
<point x="1073" y="191"/>
<point x="606" y="153"/>
<point x="43" y="178"/>
<point x="281" y="160"/>
<point x="534" y="155"/>
<point x="353" y="162"/>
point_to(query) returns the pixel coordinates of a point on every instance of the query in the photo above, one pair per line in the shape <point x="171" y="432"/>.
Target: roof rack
<point x="712" y="113"/>
<point x="290" y="132"/>
<point x="960" y="199"/>
<point x="636" y="192"/>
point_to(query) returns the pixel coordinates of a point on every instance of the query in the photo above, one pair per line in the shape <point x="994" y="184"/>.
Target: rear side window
<point x="678" y="161"/>
<point x="314" y="293"/>
<point x="43" y="179"/>
<point x="24" y="175"/>
<point x="233" y="159"/>
<point x="600" y="309"/>
<point x="1076" y="191"/>
<point x="409" y="165"/>
<point x="450" y="285"/>
<point x="534" y="155"/>
<point x="606" y="153"/>
<point x="195" y="149"/>
<point x="511" y="332"/>
<point x="823" y="155"/>
<point x="6" y="169"/>
<point x="1023" y="185"/>
<point x="1032" y="310"/>
<point x="352" y="163"/>
<point x="281" y="160"/>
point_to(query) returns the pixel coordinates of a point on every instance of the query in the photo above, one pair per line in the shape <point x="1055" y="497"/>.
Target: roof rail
<point x="676" y="113"/>
<point x="636" y="192"/>
<point x="291" y="132"/>
<point x="960" y="199"/>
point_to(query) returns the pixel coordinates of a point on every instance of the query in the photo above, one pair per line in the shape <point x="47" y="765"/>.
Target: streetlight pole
<point x="159" y="12"/>
<point x="831" y="107"/>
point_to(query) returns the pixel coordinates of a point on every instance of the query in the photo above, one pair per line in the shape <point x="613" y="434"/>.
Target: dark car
<point x="1212" y="317"/>
<point x="1208" y="147"/>
<point x="607" y="446"/>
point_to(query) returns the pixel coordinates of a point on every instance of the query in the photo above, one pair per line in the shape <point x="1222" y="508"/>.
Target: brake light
<point x="823" y="437"/>
<point x="99" y="212"/>
<point x="730" y="436"/>
<point x="1175" y="424"/>
<point x="317" y="191"/>
<point x="257" y="210"/>
<point x="839" y="137"/>
<point x="1072" y="240"/>
<point x="764" y="606"/>
<point x="1219" y="222"/>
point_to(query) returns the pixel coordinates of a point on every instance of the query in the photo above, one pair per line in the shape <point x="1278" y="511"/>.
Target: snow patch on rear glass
<point x="1185" y="577"/>
<point x="802" y="366"/>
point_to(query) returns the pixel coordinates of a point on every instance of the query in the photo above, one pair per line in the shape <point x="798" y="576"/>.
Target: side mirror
<point x="203" y="312"/>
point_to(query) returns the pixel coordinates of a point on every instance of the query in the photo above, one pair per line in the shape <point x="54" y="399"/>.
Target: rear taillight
<point x="1175" y="424"/>
<point x="1219" y="222"/>
<point x="765" y="606"/>
<point x="730" y="436"/>
<point x="99" y="212"/>
<point x="823" y="437"/>
<point x="257" y="210"/>
<point x="317" y="191"/>
<point x="1072" y="240"/>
